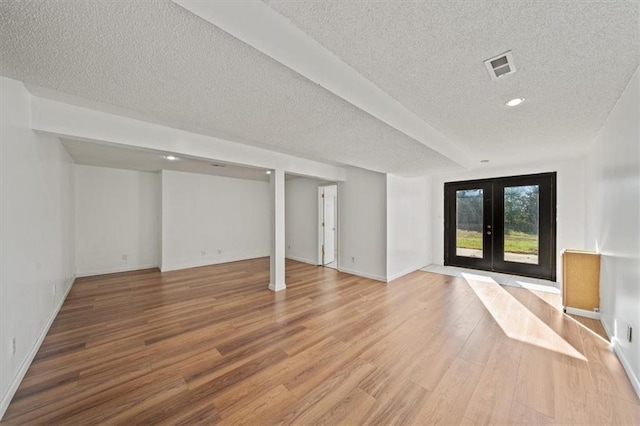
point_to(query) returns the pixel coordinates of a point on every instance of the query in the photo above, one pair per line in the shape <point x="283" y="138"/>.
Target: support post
<point x="277" y="273"/>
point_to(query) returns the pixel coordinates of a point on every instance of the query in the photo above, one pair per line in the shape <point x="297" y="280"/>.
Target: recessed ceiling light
<point x="268" y="172"/>
<point x="514" y="102"/>
<point x="171" y="157"/>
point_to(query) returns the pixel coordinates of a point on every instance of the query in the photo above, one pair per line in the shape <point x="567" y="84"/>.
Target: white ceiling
<point x="573" y="60"/>
<point x="154" y="60"/>
<point x="119" y="157"/>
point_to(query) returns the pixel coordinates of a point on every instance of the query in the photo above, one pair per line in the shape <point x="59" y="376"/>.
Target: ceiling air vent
<point x="500" y="65"/>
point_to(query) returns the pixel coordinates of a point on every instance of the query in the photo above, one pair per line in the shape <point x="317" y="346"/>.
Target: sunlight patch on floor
<point x="499" y="277"/>
<point x="592" y="332"/>
<point x="515" y="320"/>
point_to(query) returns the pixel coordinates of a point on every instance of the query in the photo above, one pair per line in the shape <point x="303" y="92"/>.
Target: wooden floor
<point x="213" y="345"/>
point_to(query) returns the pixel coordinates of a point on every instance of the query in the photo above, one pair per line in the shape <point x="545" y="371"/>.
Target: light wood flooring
<point x="213" y="345"/>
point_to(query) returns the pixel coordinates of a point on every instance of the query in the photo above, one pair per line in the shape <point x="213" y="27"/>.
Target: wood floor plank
<point x="246" y="391"/>
<point x="266" y="409"/>
<point x="213" y="345"/>
<point x="493" y="396"/>
<point x="448" y="401"/>
<point x="482" y="341"/>
<point x="535" y="387"/>
<point x="351" y="409"/>
<point x="439" y="356"/>
<point x="625" y="413"/>
<point x="522" y="415"/>
<point x="311" y="408"/>
<point x="399" y="400"/>
<point x="606" y="371"/>
<point x="577" y="401"/>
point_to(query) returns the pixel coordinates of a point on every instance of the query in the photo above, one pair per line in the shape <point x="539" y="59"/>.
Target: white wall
<point x="613" y="223"/>
<point x="118" y="217"/>
<point x="570" y="203"/>
<point x="202" y="214"/>
<point x="408" y="225"/>
<point x="362" y="223"/>
<point x="37" y="262"/>
<point x="301" y="219"/>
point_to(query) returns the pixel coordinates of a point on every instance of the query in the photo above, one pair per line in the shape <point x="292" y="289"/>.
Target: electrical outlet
<point x="629" y="333"/>
<point x="219" y="251"/>
<point x="13" y="346"/>
<point x="203" y="252"/>
<point x="289" y="247"/>
<point x="353" y="259"/>
<point x="125" y="256"/>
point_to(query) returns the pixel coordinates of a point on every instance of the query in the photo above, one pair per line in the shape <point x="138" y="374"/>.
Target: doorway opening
<point x="328" y="226"/>
<point x="505" y="224"/>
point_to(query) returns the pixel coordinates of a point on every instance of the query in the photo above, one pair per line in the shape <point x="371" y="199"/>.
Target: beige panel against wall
<point x="581" y="281"/>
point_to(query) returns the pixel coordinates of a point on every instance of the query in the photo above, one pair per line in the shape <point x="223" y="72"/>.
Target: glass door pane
<point x="521" y="224"/>
<point x="469" y="223"/>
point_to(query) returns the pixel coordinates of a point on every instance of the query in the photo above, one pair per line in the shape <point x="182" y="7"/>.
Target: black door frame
<point x="493" y="225"/>
<point x="450" y="257"/>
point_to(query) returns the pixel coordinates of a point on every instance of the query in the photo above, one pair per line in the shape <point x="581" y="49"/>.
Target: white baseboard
<point x="607" y="330"/>
<point x="208" y="262"/>
<point x="363" y="274"/>
<point x="303" y="260"/>
<point x="115" y="270"/>
<point x="623" y="359"/>
<point x="627" y="367"/>
<point x="24" y="367"/>
<point x="280" y="288"/>
<point x="402" y="274"/>
<point x="582" y="313"/>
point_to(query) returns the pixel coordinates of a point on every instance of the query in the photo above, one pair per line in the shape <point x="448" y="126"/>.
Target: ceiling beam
<point x="79" y="123"/>
<point x="261" y="27"/>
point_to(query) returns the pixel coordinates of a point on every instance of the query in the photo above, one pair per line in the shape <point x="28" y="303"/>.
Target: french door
<point x="504" y="224"/>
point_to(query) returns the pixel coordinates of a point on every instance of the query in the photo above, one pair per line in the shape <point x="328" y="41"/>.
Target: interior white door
<point x="329" y="224"/>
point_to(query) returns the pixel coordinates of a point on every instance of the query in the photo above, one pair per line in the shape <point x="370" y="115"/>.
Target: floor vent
<point x="500" y="65"/>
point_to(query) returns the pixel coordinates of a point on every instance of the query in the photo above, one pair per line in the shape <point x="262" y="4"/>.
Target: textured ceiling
<point x="117" y="157"/>
<point x="157" y="60"/>
<point x="573" y="60"/>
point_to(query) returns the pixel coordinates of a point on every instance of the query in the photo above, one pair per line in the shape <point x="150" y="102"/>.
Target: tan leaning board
<point x="581" y="280"/>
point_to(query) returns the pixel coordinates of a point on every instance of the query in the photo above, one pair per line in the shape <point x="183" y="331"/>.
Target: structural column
<point x="277" y="282"/>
